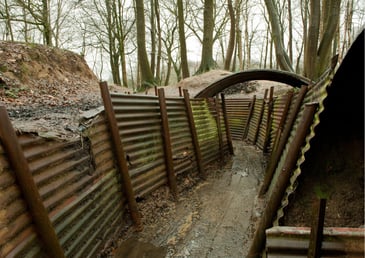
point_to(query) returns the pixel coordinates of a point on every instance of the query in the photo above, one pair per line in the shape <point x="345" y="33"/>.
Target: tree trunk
<point x="207" y="62"/>
<point x="159" y="42"/>
<point x="239" y="44"/>
<point x="331" y="20"/>
<point x="113" y="54"/>
<point x="181" y="21"/>
<point x="153" y="37"/>
<point x="310" y="51"/>
<point x="232" y="34"/>
<point x="121" y="36"/>
<point x="147" y="79"/>
<point x="290" y="39"/>
<point x="8" y="27"/>
<point x="47" y="30"/>
<point x="282" y="57"/>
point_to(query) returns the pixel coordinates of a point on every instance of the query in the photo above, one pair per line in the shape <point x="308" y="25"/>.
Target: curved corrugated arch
<point x="289" y="78"/>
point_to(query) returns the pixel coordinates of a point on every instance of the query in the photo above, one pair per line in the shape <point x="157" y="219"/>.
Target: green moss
<point x="322" y="191"/>
<point x="3" y="68"/>
<point x="14" y="92"/>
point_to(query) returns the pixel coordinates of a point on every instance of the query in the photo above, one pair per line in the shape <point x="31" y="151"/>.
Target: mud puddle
<point x="215" y="218"/>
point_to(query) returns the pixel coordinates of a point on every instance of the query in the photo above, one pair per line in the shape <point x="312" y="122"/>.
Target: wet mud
<point x="215" y="218"/>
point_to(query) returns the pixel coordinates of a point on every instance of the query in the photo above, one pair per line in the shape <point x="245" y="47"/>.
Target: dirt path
<point x="214" y="219"/>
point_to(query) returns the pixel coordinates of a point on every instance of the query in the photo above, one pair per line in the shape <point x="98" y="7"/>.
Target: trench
<point x="212" y="218"/>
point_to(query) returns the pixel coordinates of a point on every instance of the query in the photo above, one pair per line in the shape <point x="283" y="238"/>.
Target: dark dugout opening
<point x="334" y="166"/>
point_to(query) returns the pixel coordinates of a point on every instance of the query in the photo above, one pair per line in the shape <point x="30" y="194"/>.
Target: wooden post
<point x="194" y="135"/>
<point x="167" y="143"/>
<point x="28" y="187"/>
<point x="120" y="156"/>
<point x="156" y="91"/>
<point x="316" y="236"/>
<point x="226" y="123"/>
<point x="282" y="122"/>
<point x="269" y="120"/>
<point x="219" y="128"/>
<point x="279" y="189"/>
<point x="180" y="91"/>
<point x="260" y="118"/>
<point x="249" y="117"/>
<point x="283" y="140"/>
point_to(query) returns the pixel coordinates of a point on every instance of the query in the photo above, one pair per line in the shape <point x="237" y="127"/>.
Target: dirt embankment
<point x="33" y="74"/>
<point x="45" y="89"/>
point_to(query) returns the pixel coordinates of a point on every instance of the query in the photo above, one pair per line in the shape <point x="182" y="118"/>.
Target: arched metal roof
<point x="289" y="78"/>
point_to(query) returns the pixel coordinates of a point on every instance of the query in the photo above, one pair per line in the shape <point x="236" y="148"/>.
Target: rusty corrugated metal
<point x="280" y="106"/>
<point x="255" y="120"/>
<point x="78" y="181"/>
<point x="139" y="122"/>
<point x="225" y="146"/>
<point x="81" y="194"/>
<point x="181" y="140"/>
<point x="316" y="93"/>
<point x="262" y="130"/>
<point x="294" y="242"/>
<point x="206" y="129"/>
<point x="238" y="111"/>
<point x="17" y="230"/>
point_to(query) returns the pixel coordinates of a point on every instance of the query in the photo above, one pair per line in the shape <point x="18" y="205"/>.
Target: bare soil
<point x="212" y="218"/>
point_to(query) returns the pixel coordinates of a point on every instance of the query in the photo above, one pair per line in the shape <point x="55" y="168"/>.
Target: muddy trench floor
<point x="212" y="218"/>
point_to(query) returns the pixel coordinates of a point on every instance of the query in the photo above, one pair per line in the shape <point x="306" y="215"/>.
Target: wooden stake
<point x="28" y="187"/>
<point x="120" y="156"/>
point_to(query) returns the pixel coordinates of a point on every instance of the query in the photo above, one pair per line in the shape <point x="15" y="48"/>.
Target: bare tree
<point x="321" y="33"/>
<point x="239" y="48"/>
<point x="5" y="15"/>
<point x="159" y="41"/>
<point x="232" y="34"/>
<point x="182" y="39"/>
<point x="40" y="13"/>
<point x="282" y="57"/>
<point x="147" y="78"/>
<point x="207" y="62"/>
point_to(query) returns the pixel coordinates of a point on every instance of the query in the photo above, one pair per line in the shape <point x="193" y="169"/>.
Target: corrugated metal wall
<point x="78" y="180"/>
<point x="238" y="111"/>
<point x="255" y="120"/>
<point x="263" y="132"/>
<point x="79" y="187"/>
<point x="16" y="229"/>
<point x="263" y="125"/>
<point x="184" y="158"/>
<point x="139" y="123"/>
<point x="206" y="128"/>
<point x="294" y="242"/>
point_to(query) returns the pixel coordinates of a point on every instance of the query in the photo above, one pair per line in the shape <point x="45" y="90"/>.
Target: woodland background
<point x="139" y="44"/>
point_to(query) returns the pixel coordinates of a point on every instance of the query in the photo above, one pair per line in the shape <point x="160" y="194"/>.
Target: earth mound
<point x="35" y="74"/>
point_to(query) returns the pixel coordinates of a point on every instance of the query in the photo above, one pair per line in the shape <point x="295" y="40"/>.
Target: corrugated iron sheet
<point x="316" y="93"/>
<point x="79" y="183"/>
<point x="255" y="121"/>
<point x="139" y="123"/>
<point x="82" y="195"/>
<point x="262" y="129"/>
<point x="294" y="242"/>
<point x="181" y="140"/>
<point x="277" y="114"/>
<point x="206" y="127"/>
<point x="238" y="111"/>
<point x="16" y="229"/>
